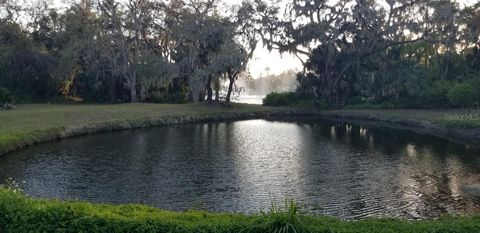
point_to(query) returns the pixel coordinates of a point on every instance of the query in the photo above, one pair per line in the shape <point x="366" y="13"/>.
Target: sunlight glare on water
<point x="342" y="170"/>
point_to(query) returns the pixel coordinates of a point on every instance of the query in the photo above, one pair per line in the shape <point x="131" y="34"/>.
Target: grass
<point x="459" y="125"/>
<point x="436" y="116"/>
<point x="19" y="213"/>
<point x="280" y="219"/>
<point x="30" y="124"/>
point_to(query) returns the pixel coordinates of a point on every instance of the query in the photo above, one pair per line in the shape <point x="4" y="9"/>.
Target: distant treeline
<point x="406" y="53"/>
<point x="123" y="51"/>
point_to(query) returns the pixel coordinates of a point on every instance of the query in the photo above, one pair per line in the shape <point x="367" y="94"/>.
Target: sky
<point x="265" y="63"/>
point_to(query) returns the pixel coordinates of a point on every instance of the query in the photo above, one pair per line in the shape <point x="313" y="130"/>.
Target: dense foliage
<point x="23" y="214"/>
<point x="281" y="99"/>
<point x="465" y="94"/>
<point x="293" y="99"/>
<point x="5" y="96"/>
<point x="407" y="53"/>
<point x="122" y="51"/>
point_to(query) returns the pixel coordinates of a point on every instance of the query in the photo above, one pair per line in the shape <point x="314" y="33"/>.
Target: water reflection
<point x="344" y="170"/>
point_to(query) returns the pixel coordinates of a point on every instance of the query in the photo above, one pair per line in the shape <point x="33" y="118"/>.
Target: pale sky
<point x="275" y="62"/>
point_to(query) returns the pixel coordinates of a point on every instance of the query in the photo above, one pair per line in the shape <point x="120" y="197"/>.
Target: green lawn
<point x="459" y="125"/>
<point x="29" y="124"/>
<point x="445" y="117"/>
<point x="43" y="116"/>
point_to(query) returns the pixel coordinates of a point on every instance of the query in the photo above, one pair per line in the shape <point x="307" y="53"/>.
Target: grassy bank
<point x="462" y="125"/>
<point x="19" y="213"/>
<point x="30" y="124"/>
<point x="446" y="117"/>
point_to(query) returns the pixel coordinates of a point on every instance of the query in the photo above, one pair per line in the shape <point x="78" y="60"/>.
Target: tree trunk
<point x="445" y="70"/>
<point x="209" y="93"/>
<point x="209" y="89"/>
<point x="133" y="90"/>
<point x="112" y="87"/>
<point x="217" y="89"/>
<point x="201" y="96"/>
<point x="230" y="88"/>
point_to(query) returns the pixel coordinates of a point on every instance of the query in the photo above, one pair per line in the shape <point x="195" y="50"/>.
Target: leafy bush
<point x="281" y="99"/>
<point x="436" y="96"/>
<point x="174" y="98"/>
<point x="320" y="104"/>
<point x="19" y="213"/>
<point x="370" y="106"/>
<point x="28" y="74"/>
<point x="439" y="94"/>
<point x="463" y="95"/>
<point x="5" y="96"/>
<point x="6" y="99"/>
<point x="292" y="99"/>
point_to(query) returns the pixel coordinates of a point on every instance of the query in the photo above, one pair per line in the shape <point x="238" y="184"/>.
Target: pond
<point x="338" y="169"/>
<point x="250" y="99"/>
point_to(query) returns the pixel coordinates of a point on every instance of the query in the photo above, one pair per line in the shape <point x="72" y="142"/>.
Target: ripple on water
<point x="343" y="170"/>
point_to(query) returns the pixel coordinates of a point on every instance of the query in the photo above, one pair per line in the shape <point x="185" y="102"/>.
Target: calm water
<point x="250" y="99"/>
<point x="342" y="170"/>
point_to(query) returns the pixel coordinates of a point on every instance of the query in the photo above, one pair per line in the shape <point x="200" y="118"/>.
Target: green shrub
<point x="292" y="99"/>
<point x="318" y="104"/>
<point x="463" y="95"/>
<point x="5" y="96"/>
<point x="436" y="96"/>
<point x="174" y="98"/>
<point x="356" y="100"/>
<point x="281" y="99"/>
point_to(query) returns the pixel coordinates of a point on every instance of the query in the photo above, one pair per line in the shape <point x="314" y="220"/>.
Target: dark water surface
<point x="343" y="170"/>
